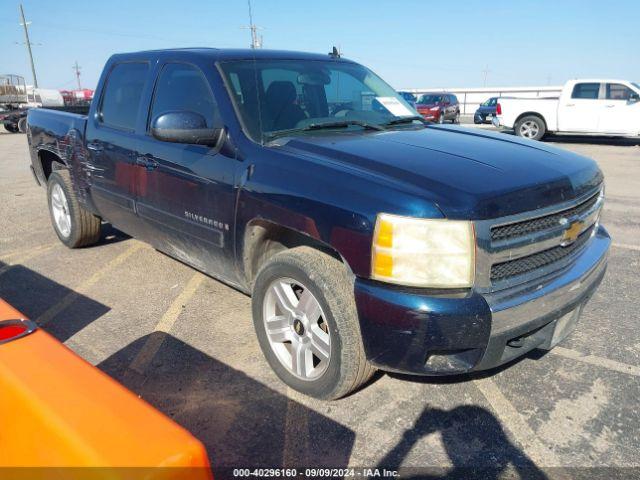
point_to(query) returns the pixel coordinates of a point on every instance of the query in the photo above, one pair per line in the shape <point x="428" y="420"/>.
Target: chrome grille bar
<point x="537" y="232"/>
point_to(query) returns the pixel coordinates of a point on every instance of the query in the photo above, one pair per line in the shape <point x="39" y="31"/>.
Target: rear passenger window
<point x="182" y="87"/>
<point x="122" y="95"/>
<point x="586" y="90"/>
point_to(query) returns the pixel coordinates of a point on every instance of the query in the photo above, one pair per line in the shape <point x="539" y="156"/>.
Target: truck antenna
<point x="334" y="53"/>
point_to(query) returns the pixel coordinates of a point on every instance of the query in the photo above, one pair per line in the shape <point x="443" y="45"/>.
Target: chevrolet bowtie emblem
<point x="571" y="234"/>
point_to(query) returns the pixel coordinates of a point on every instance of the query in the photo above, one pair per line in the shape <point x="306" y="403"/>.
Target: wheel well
<point x="533" y="114"/>
<point x="264" y="239"/>
<point x="47" y="159"/>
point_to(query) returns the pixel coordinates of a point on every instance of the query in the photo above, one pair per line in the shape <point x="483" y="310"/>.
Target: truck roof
<point x="230" y="54"/>
<point x="598" y="80"/>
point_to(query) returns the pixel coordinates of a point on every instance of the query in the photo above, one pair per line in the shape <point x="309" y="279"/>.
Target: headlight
<point x="434" y="109"/>
<point x="423" y="252"/>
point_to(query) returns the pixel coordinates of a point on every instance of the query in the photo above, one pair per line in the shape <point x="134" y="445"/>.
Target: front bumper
<point x="446" y="333"/>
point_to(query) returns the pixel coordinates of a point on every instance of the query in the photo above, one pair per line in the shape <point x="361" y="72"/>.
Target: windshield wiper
<point x="326" y="126"/>
<point x="344" y="123"/>
<point x="400" y="120"/>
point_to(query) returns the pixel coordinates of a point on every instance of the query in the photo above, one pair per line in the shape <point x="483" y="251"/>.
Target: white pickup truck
<point x="585" y="107"/>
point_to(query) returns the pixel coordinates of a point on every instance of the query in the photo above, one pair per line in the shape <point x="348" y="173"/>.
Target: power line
<point x="26" y="24"/>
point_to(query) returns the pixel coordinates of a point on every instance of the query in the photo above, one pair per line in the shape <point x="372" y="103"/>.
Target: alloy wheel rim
<point x="60" y="210"/>
<point x="529" y="129"/>
<point x="297" y="329"/>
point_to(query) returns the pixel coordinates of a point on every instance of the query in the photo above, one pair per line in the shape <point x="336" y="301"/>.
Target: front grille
<point x="539" y="224"/>
<point x="512" y="268"/>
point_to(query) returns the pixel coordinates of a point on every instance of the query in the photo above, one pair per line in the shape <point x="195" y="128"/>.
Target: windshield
<point x="636" y="85"/>
<point x="429" y="98"/>
<point x="274" y="96"/>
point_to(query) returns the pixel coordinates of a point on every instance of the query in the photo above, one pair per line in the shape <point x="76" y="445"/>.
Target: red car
<point x="439" y="107"/>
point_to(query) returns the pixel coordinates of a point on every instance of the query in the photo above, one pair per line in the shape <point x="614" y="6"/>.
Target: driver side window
<point x="617" y="91"/>
<point x="182" y="87"/>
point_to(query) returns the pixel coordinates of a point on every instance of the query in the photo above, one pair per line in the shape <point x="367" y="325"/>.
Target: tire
<point x="531" y="127"/>
<point x="83" y="227"/>
<point x="441" y="118"/>
<point x="22" y="125"/>
<point x="11" y="127"/>
<point x="310" y="275"/>
<point x="456" y="119"/>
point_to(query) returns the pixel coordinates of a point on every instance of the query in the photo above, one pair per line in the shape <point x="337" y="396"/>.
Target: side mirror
<point x="184" y="127"/>
<point x="634" y="97"/>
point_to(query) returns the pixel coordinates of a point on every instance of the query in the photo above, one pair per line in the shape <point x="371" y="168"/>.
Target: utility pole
<point x="26" y="24"/>
<point x="485" y="72"/>
<point x="76" y="67"/>
<point x="256" y="42"/>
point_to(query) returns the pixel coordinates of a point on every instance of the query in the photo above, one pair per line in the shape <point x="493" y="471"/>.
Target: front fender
<point x="323" y="200"/>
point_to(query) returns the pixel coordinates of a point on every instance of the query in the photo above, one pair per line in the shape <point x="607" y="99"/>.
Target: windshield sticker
<point x="394" y="106"/>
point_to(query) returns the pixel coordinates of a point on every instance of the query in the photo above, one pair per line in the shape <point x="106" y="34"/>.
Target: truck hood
<point x="467" y="174"/>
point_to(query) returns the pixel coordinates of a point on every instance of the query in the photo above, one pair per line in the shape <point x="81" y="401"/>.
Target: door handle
<point x="147" y="162"/>
<point x="95" y="147"/>
<point x="609" y="106"/>
<point x="570" y="105"/>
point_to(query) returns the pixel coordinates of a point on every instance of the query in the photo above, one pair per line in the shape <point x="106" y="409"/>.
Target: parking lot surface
<point x="185" y="343"/>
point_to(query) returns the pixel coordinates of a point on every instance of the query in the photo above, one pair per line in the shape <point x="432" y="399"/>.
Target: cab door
<point x="111" y="143"/>
<point x="621" y="110"/>
<point x="580" y="112"/>
<point x="186" y="193"/>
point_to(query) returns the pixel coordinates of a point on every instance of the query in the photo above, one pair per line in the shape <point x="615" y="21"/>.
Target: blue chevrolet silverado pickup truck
<point x="367" y="237"/>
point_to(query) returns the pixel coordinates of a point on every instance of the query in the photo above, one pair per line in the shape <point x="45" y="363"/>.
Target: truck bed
<point x="79" y="109"/>
<point x="58" y="132"/>
<point x="514" y="108"/>
<point x="48" y="124"/>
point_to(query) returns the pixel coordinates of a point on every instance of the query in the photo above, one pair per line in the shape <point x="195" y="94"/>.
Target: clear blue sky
<point x="409" y="43"/>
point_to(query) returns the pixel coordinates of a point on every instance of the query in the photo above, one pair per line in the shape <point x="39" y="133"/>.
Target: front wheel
<point x="456" y="119"/>
<point x="75" y="226"/>
<point x="305" y="318"/>
<point x="531" y="127"/>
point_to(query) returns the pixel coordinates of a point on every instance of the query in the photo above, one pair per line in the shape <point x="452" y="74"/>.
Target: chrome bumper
<point x="531" y="310"/>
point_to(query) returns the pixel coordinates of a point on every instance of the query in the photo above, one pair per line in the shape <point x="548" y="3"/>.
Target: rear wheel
<point x="531" y="126"/>
<point x="75" y="226"/>
<point x="11" y="127"/>
<point x="305" y="318"/>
